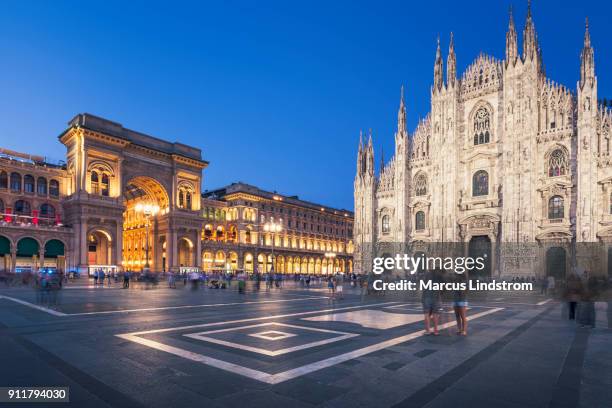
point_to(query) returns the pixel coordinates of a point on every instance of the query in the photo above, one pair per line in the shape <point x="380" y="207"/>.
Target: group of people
<point x="431" y="301"/>
<point x="335" y="286"/>
<point x="99" y="275"/>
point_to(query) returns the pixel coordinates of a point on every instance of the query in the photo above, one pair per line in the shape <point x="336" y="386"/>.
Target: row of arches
<point x="28" y="254"/>
<point x="287" y="264"/>
<point x="28" y="184"/>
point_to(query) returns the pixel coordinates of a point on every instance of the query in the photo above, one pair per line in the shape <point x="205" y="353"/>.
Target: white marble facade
<point x="506" y="155"/>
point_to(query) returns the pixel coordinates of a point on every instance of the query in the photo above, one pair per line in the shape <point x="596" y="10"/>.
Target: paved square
<point x="211" y="336"/>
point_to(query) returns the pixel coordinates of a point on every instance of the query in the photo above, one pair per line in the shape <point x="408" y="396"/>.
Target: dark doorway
<point x="555" y="262"/>
<point x="480" y="247"/>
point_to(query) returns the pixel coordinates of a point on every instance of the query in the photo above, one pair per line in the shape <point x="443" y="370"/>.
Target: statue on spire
<point x="401" y="114"/>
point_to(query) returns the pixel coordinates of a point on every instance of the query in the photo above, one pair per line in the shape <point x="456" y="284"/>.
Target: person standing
<point x="460" y="304"/>
<point x="339" y="285"/>
<point x="431" y="302"/>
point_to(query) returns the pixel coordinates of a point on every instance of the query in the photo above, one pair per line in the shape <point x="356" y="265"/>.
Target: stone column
<point x="13" y="259"/>
<point x="118" y="246"/>
<point x="198" y="250"/>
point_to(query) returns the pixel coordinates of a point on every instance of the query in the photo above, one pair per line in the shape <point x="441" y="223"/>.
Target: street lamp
<point x="148" y="210"/>
<point x="273" y="227"/>
<point x="330" y="260"/>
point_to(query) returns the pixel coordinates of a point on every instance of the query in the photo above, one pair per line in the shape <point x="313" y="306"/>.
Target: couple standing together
<point x="432" y="303"/>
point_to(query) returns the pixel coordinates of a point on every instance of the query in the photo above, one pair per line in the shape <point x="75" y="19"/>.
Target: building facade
<point x="126" y="200"/>
<point x="307" y="238"/>
<point x="507" y="163"/>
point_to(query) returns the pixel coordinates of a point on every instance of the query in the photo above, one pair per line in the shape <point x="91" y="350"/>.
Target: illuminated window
<point x="95" y="183"/>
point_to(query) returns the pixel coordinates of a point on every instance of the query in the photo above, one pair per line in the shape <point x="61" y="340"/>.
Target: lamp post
<point x="330" y="260"/>
<point x="148" y="210"/>
<point x="273" y="227"/>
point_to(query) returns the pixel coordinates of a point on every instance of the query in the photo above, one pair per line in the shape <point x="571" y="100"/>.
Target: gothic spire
<point x="451" y="62"/>
<point x="369" y="165"/>
<point x="382" y="159"/>
<point x="530" y="46"/>
<point x="511" y="41"/>
<point x="587" y="59"/>
<point x="401" y="114"/>
<point x="438" y="68"/>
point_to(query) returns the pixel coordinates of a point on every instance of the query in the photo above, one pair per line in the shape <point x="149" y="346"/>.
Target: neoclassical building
<point x="309" y="237"/>
<point x="507" y="163"/>
<point x="126" y="200"/>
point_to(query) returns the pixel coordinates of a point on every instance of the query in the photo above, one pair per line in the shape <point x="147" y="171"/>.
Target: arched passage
<point x="185" y="252"/>
<point x="480" y="247"/>
<point x="145" y="199"/>
<point x="99" y="248"/>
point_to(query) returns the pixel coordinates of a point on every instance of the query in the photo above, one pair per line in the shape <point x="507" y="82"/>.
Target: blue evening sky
<point x="274" y="93"/>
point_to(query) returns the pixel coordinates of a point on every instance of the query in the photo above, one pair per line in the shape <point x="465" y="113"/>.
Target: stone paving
<point x="296" y="347"/>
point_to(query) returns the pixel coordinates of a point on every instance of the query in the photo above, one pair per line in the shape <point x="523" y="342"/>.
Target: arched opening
<point x="556" y="262"/>
<point x="208" y="261"/>
<point x="41" y="186"/>
<point x="185" y="252"/>
<point x="220" y="260"/>
<point x="3" y="180"/>
<point x="233" y="261"/>
<point x="54" y="255"/>
<point x="28" y="250"/>
<point x="15" y="182"/>
<point x="480" y="247"/>
<point x="5" y="254"/>
<point x="100" y="251"/>
<point x="28" y="184"/>
<point x="145" y="200"/>
<point x="248" y="262"/>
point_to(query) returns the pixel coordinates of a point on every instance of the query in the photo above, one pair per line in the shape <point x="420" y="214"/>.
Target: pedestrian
<point x="573" y="291"/>
<point x="109" y="278"/>
<point x="330" y="287"/>
<point x="460" y="305"/>
<point x="431" y="301"/>
<point x="339" y="285"/>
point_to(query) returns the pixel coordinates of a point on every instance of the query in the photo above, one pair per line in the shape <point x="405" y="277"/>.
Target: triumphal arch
<point x="133" y="200"/>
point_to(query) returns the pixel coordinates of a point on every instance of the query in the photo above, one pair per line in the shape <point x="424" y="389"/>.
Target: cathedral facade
<point x="508" y="162"/>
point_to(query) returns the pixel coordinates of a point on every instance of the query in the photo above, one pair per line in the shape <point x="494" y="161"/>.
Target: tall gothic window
<point x="385" y="224"/>
<point x="557" y="163"/>
<point x="480" y="183"/>
<point x="482" y="126"/>
<point x="420" y="185"/>
<point x="555" y="208"/>
<point x="419" y="221"/>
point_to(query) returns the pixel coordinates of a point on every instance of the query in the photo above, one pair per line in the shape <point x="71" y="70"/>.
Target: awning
<point x="27" y="247"/>
<point x="54" y="248"/>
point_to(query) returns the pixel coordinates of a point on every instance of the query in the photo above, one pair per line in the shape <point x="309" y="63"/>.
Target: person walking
<point x="109" y="276"/>
<point x="331" y="287"/>
<point x="339" y="285"/>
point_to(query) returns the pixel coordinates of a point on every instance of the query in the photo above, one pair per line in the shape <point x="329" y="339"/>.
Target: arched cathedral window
<point x="482" y="126"/>
<point x="555" y="208"/>
<point x="557" y="163"/>
<point x="419" y="221"/>
<point x="385" y="224"/>
<point x="420" y="185"/>
<point x="480" y="183"/>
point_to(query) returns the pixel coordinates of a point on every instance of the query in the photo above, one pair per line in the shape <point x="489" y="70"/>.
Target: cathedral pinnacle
<point x="401" y="114"/>
<point x="511" y="41"/>
<point x="587" y="59"/>
<point x="451" y="62"/>
<point x="438" y="68"/>
<point x="530" y="47"/>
